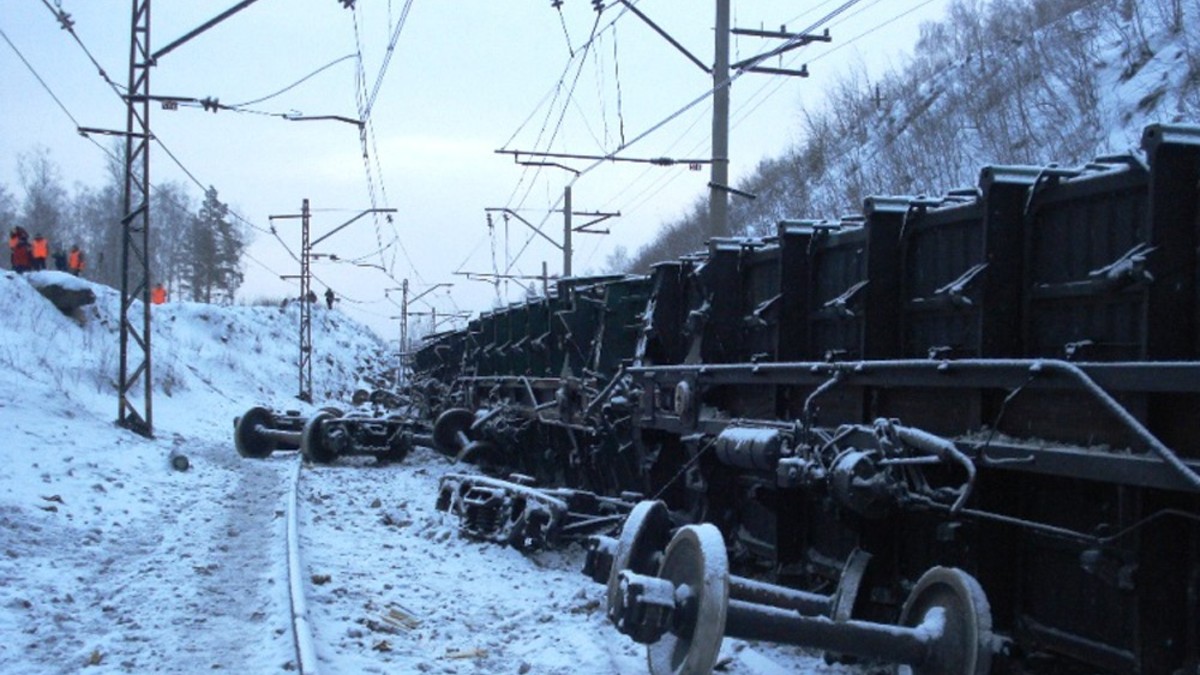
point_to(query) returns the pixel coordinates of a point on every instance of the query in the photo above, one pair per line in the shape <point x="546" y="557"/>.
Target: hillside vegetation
<point x="995" y="82"/>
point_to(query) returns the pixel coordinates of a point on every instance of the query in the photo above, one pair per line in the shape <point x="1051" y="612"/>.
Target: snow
<point x="50" y="277"/>
<point x="110" y="561"/>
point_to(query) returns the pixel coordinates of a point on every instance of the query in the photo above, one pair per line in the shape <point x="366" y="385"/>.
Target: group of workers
<point x="27" y="255"/>
<point x="30" y="255"/>
<point x="330" y="298"/>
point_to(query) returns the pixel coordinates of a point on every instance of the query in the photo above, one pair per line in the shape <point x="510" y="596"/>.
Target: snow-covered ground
<point x="110" y="561"/>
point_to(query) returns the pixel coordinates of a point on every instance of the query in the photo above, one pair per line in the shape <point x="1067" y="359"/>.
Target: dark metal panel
<point x="836" y="288"/>
<point x="662" y="339"/>
<point x="1174" y="303"/>
<point x="718" y="312"/>
<point x="943" y="249"/>
<point x="620" y="323"/>
<point x="881" y="330"/>
<point x="796" y="271"/>
<point x="1087" y="238"/>
<point x="761" y="276"/>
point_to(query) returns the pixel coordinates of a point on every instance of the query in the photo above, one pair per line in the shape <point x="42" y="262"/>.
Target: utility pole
<point x="305" y="277"/>
<point x="135" y="359"/>
<point x="405" y="301"/>
<point x="566" y="247"/>
<point x="718" y="200"/>
<point x="135" y="232"/>
<point x="569" y="229"/>
<point x="436" y="318"/>
<point x="404" y="326"/>
<point x="306" y="256"/>
<point x="306" y="304"/>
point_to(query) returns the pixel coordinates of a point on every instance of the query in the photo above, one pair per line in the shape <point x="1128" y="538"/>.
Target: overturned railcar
<point x="957" y="433"/>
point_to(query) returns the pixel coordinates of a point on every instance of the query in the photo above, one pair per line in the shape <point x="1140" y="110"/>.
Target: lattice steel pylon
<point x="306" y="303"/>
<point x="135" y="225"/>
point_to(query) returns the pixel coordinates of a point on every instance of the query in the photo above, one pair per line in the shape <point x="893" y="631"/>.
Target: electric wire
<point x="42" y="82"/>
<point x="617" y="79"/>
<point x="509" y="264"/>
<point x="598" y="75"/>
<point x="727" y="82"/>
<point x="387" y="59"/>
<point x="557" y="89"/>
<point x="272" y="230"/>
<point x="566" y="34"/>
<point x="64" y="20"/>
<point x="158" y="141"/>
<point x="753" y="103"/>
<point x="99" y="145"/>
<point x="293" y="85"/>
<point x="562" y="115"/>
<point x="360" y="95"/>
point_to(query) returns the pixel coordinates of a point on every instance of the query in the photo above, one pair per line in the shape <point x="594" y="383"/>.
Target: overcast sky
<point x="466" y="78"/>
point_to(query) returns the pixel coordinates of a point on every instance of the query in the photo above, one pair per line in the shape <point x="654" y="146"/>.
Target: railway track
<point x="379" y="579"/>
<point x="306" y="654"/>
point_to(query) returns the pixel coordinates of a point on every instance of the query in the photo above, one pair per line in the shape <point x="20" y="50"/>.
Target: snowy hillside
<point x="110" y="561"/>
<point x="996" y="82"/>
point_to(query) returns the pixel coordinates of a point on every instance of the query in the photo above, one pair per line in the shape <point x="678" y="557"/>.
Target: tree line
<point x="195" y="246"/>
<point x="996" y="81"/>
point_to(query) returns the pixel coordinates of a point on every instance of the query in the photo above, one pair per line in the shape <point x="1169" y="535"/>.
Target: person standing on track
<point x="158" y="294"/>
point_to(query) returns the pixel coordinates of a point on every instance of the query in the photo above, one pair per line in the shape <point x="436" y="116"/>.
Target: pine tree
<point x="213" y="250"/>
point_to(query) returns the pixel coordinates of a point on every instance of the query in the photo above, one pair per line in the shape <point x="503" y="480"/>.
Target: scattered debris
<point x="401" y="617"/>
<point x="475" y="653"/>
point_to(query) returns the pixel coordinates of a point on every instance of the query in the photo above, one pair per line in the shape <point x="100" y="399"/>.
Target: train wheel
<point x="247" y="440"/>
<point x="965" y="646"/>
<point x="399" y="445"/>
<point x="446" y="428"/>
<point x="644" y="536"/>
<point x="312" y="440"/>
<point x="696" y="558"/>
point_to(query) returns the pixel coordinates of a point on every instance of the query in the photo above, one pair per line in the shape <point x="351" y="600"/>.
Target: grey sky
<point x="465" y="78"/>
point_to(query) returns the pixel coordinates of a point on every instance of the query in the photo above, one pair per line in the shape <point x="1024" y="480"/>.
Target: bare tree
<point x="44" y="209"/>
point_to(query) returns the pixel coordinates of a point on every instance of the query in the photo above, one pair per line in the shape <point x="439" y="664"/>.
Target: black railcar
<point x="980" y="407"/>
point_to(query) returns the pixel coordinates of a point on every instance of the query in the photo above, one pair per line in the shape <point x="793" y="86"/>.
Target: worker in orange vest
<point x="14" y="239"/>
<point x="158" y="294"/>
<point x="41" y="251"/>
<point x="22" y="258"/>
<point x="75" y="261"/>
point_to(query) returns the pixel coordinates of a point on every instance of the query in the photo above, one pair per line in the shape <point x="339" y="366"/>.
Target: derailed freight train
<point x="957" y="433"/>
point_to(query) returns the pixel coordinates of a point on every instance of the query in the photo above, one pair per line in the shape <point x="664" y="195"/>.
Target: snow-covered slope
<point x="110" y="561"/>
<point x="106" y="554"/>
